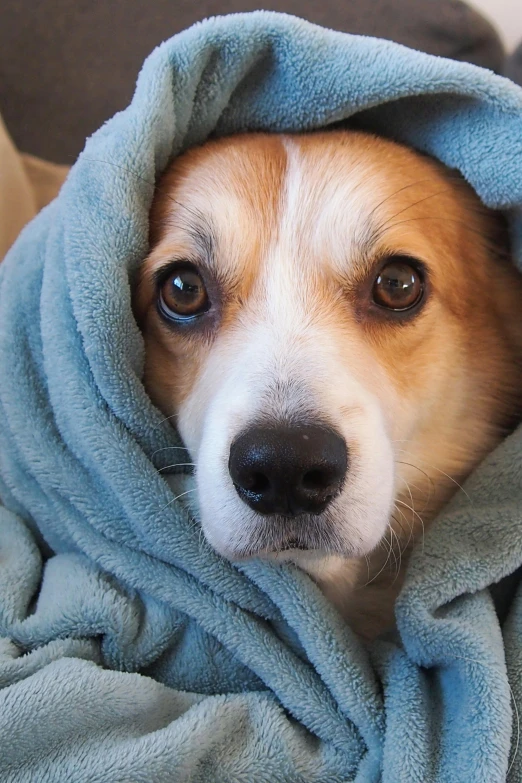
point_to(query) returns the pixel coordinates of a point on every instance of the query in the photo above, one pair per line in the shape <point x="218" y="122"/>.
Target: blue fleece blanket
<point x="129" y="650"/>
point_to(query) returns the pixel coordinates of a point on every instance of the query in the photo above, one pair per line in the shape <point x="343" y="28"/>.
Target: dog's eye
<point x="182" y="294"/>
<point x="399" y="285"/>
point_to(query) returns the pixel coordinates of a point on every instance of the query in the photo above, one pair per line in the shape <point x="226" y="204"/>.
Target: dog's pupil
<point x="397" y="287"/>
<point x="184" y="292"/>
<point x="187" y="286"/>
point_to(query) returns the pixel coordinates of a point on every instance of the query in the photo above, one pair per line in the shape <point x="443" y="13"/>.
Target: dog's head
<point x="320" y="317"/>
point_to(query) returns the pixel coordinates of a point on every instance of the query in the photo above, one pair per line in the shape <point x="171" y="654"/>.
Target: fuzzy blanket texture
<point x="129" y="650"/>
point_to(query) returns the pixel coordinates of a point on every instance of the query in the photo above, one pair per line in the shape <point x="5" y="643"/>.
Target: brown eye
<point x="398" y="286"/>
<point x="182" y="294"/>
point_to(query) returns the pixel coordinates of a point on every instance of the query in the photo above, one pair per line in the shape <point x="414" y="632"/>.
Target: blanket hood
<point x="103" y="566"/>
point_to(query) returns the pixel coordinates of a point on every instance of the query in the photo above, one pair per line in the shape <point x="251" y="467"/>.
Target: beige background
<point x="506" y="15"/>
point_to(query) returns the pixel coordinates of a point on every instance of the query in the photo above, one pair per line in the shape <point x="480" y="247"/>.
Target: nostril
<point x="258" y="483"/>
<point x="316" y="480"/>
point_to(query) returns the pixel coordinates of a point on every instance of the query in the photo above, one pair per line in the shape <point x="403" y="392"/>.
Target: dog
<point x="332" y="319"/>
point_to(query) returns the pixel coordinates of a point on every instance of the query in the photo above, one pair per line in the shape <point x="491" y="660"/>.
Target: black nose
<point x="288" y="470"/>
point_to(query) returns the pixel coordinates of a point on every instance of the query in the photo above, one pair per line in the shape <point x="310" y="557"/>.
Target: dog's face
<point x="311" y="307"/>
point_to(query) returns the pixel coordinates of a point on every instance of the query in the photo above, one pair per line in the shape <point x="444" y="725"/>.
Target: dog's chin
<point x="305" y="540"/>
<point x="289" y="553"/>
<point x="307" y="559"/>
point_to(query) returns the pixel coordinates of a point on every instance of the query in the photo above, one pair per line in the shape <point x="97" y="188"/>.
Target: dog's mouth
<point x="281" y="535"/>
<point x="294" y="543"/>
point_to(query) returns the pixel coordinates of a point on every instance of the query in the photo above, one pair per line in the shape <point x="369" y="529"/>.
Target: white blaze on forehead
<point x="328" y="206"/>
<point x="321" y="227"/>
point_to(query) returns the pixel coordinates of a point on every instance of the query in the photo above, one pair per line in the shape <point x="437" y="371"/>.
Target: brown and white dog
<point x="333" y="321"/>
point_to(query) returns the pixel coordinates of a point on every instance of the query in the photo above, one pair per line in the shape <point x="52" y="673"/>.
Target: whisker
<point x="411" y="496"/>
<point x="399" y="560"/>
<point x="392" y="538"/>
<point x="383" y="567"/>
<point x="410" y="206"/>
<point x="163" y="448"/>
<point x="416" y="468"/>
<point x="456" y="179"/>
<point x="406" y="545"/>
<point x="416" y="487"/>
<point x="395" y="193"/>
<point x="448" y="220"/>
<point x="411" y="484"/>
<point x="397" y="521"/>
<point x="177" y="498"/>
<point x="176" y="465"/>
<point x="431" y="488"/>
<point x="172" y="416"/>
<point x="415" y="513"/>
<point x="367" y="568"/>
<point x="433" y="467"/>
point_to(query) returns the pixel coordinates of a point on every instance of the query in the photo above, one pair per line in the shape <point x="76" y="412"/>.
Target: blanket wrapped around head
<point x="129" y="650"/>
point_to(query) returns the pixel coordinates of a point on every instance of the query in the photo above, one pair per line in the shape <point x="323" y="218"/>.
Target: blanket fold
<point x="129" y="650"/>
